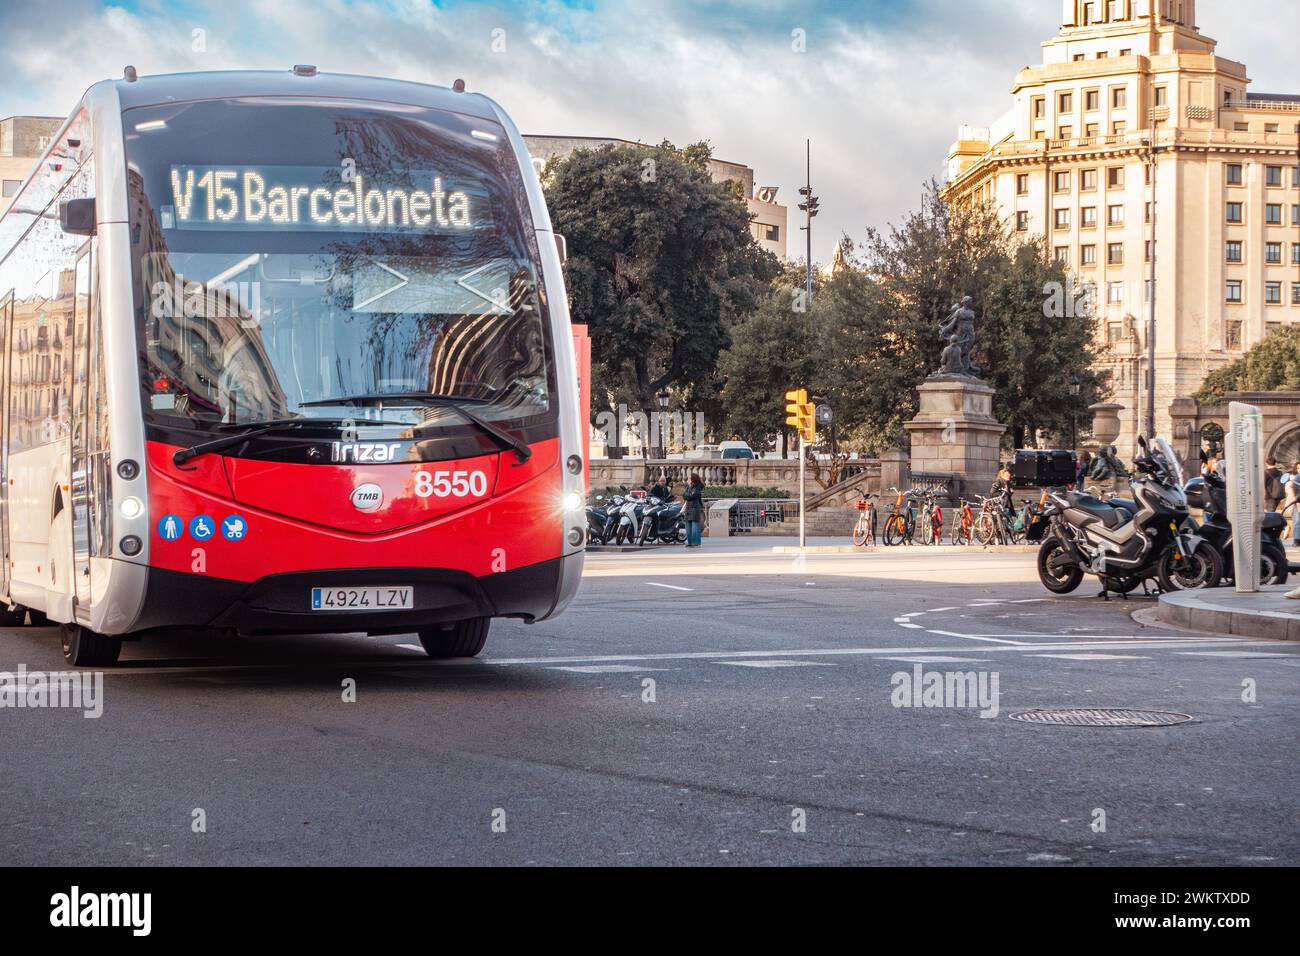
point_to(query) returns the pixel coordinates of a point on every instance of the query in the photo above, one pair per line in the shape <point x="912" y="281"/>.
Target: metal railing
<point x="751" y="513"/>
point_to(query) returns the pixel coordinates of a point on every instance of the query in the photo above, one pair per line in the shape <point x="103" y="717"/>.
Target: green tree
<point x="1033" y="353"/>
<point x="774" y="349"/>
<point x="1272" y="365"/>
<point x="661" y="263"/>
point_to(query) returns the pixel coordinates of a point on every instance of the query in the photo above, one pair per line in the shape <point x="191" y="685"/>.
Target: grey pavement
<point x="690" y="708"/>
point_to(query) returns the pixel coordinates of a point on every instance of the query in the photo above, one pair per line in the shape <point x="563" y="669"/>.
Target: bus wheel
<point x="462" y="639"/>
<point x="82" y="647"/>
<point x="38" y="618"/>
<point x="12" y="617"/>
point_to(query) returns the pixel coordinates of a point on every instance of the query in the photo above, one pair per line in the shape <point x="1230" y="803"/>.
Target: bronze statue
<point x="959" y="332"/>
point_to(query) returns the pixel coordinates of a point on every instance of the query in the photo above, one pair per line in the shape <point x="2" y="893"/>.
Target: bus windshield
<point x="305" y="259"/>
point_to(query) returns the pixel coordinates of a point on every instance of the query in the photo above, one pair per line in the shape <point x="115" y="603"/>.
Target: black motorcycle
<point x="1123" y="547"/>
<point x="1210" y="493"/>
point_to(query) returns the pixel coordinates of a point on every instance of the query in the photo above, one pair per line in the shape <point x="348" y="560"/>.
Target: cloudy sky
<point x="880" y="87"/>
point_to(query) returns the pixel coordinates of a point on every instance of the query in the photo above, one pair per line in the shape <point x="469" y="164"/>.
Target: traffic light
<point x="800" y="415"/>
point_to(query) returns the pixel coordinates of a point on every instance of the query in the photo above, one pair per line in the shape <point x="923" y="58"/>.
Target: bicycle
<point x="963" y="524"/>
<point x="990" y="526"/>
<point x="930" y="520"/>
<point x="900" y="524"/>
<point x="864" y="532"/>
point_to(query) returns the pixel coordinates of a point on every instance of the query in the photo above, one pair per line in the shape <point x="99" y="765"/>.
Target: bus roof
<point x="228" y="84"/>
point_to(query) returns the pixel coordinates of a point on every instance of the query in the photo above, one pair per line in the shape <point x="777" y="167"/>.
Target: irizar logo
<point x="134" y="910"/>
<point x="364" y="451"/>
<point x="368" y="497"/>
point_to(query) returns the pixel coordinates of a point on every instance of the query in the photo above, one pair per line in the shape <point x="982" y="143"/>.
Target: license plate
<point x="362" y="599"/>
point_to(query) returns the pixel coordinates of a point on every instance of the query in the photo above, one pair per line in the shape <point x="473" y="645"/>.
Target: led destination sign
<point x="309" y="198"/>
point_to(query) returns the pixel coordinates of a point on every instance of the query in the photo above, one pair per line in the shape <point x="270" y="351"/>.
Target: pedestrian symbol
<point x="170" y="527"/>
<point x="202" y="528"/>
<point x="234" y="527"/>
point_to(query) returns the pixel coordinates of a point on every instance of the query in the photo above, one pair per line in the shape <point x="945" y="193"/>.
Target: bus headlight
<point x="572" y="501"/>
<point x="131" y="508"/>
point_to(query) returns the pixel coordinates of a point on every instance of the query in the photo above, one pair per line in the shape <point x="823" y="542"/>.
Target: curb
<point x="916" y="549"/>
<point x="1199" y="611"/>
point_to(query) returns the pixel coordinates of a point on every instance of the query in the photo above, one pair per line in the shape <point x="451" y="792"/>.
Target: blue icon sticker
<point x="202" y="527"/>
<point x="170" y="527"/>
<point x="234" y="527"/>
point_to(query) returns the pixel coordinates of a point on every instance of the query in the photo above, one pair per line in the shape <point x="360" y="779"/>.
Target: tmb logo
<point x="368" y="497"/>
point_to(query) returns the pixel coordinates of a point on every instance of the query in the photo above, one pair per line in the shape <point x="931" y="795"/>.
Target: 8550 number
<point x="450" y="484"/>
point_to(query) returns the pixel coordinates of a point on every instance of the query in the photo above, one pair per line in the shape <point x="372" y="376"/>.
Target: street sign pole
<point x="803" y="541"/>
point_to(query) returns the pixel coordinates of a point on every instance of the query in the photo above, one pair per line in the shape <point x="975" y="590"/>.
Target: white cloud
<point x="881" y="89"/>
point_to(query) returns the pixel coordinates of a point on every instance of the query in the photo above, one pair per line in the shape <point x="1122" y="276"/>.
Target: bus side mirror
<point x="77" y="217"/>
<point x="562" y="248"/>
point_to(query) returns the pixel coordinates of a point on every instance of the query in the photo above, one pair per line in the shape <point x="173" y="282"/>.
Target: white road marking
<point x="671" y="587"/>
<point x="1233" y="654"/>
<point x="936" y="610"/>
<point x="900" y="620"/>
<point x="973" y="637"/>
<point x="607" y="669"/>
<point x="1094" y="657"/>
<point x="411" y="647"/>
<point x="914" y="627"/>
<point x="937" y="660"/>
<point x="773" y="664"/>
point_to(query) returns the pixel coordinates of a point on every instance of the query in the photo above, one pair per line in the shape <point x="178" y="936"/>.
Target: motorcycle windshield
<point x="1171" y="462"/>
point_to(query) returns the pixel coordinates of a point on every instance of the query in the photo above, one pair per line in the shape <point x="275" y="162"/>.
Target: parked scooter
<point x="602" y="518"/>
<point x="1210" y="493"/>
<point x="629" y="518"/>
<point x="1125" y="548"/>
<point x="662" y="521"/>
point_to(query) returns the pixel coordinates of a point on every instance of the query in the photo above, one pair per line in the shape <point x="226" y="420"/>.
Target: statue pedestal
<point x="955" y="432"/>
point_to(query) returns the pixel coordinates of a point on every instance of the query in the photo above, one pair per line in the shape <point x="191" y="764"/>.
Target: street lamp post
<point x="809" y="208"/>
<point x="664" y="398"/>
<point x="1075" y="386"/>
<point x="1151" y="320"/>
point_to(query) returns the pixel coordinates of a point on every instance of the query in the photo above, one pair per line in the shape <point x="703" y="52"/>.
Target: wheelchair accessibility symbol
<point x="170" y="527"/>
<point x="233" y="528"/>
<point x="202" y="528"/>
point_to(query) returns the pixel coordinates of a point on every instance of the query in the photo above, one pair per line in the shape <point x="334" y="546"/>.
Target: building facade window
<point x="1115" y="177"/>
<point x="1088" y="255"/>
<point x="1273" y="214"/>
<point x="1236" y="176"/>
<point x="1115" y="293"/>
<point x="1038" y="105"/>
<point x="1088" y="180"/>
<point x="1232" y="335"/>
<point x="1092" y="100"/>
<point x="1022" y="221"/>
<point x="1236" y="251"/>
<point x="1272" y="293"/>
<point x="1273" y="253"/>
<point x="1114" y="215"/>
<point x="1234" y="291"/>
<point x="1062" y="255"/>
<point x="1150" y="247"/>
<point x="1273" y="176"/>
<point x="1062" y="182"/>
<point x="1115" y="253"/>
<point x="1162" y="96"/>
<point x="1295" y="293"/>
<point x="1119" y="98"/>
<point x="1022" y="184"/>
<point x="1062" y="219"/>
<point x="10" y="187"/>
<point x="1236" y="212"/>
<point x="1065" y="103"/>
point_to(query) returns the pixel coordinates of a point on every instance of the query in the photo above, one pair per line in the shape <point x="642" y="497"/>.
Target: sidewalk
<point x="1267" y="614"/>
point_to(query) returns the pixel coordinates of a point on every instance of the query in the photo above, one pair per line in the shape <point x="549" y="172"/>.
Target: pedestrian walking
<point x="1292" y="507"/>
<point x="694" y="510"/>
<point x="1273" y="490"/>
<point x="1081" y="473"/>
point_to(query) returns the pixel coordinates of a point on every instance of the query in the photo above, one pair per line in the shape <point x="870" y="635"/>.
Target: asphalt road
<point x="769" y="735"/>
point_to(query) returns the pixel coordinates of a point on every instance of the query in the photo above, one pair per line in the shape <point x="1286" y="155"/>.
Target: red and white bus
<point x="285" y="352"/>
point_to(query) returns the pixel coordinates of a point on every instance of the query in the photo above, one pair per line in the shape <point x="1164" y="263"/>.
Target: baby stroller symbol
<point x="233" y="528"/>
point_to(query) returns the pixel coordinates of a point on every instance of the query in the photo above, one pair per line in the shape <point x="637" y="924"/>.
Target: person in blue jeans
<point x="694" y="510"/>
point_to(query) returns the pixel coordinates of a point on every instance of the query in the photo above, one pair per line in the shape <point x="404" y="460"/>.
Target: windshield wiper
<point x="230" y="441"/>
<point x="505" y="441"/>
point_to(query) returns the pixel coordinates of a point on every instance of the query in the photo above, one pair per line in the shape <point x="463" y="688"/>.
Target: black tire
<point x="462" y="639"/>
<point x="82" y="647"/>
<point x="1204" y="569"/>
<point x="1058" y="580"/>
<point x="14" y="617"/>
<point x="38" y="618"/>
<point x="895" y="531"/>
<point x="1273" y="566"/>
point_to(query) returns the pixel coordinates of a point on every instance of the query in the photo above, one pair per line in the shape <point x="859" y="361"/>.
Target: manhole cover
<point x="1092" y="717"/>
